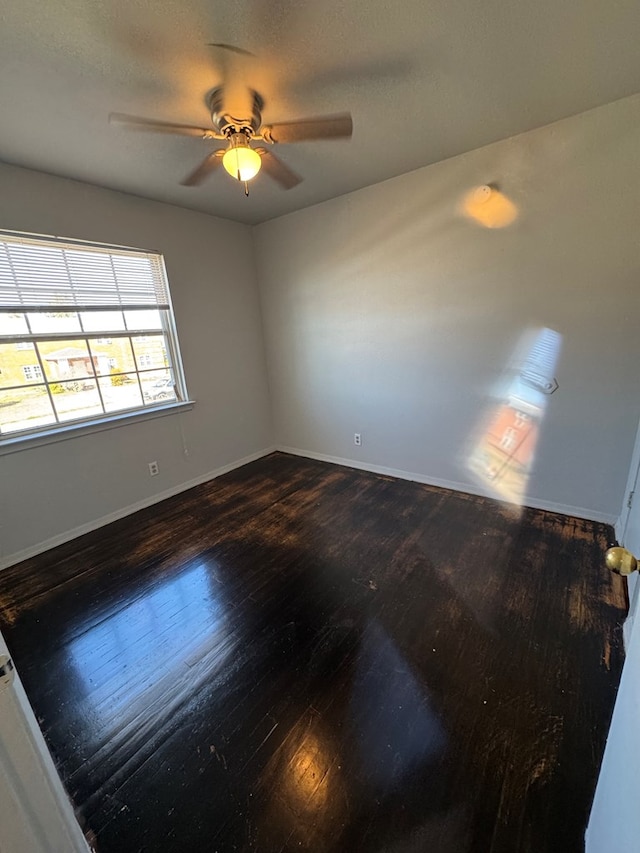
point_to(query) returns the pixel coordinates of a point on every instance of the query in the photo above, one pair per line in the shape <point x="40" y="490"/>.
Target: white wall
<point x="389" y="313"/>
<point x="48" y="491"/>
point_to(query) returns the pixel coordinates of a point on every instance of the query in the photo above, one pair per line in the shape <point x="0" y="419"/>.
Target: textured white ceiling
<point x="424" y="80"/>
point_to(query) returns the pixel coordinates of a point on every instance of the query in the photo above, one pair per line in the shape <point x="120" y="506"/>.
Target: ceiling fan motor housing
<point x="227" y="124"/>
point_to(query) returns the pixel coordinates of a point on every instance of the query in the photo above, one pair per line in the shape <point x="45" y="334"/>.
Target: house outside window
<point x="86" y="334"/>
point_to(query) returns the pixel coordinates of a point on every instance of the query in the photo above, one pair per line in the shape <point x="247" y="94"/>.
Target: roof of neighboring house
<point x="67" y="353"/>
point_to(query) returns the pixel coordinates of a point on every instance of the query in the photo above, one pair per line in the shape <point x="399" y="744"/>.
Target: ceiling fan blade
<point x="276" y="169"/>
<point x="139" y="123"/>
<point x="208" y="165"/>
<point x="237" y="97"/>
<point x="232" y="48"/>
<point x="351" y="73"/>
<point x="326" y="127"/>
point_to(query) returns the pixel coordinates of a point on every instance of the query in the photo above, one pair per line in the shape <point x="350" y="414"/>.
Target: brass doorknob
<point x="620" y="561"/>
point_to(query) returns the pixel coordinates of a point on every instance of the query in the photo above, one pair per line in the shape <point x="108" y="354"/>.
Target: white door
<point x="35" y="813"/>
<point x="614" y="825"/>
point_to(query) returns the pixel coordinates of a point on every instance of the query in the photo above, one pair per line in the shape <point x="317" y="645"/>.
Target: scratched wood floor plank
<point x="300" y="656"/>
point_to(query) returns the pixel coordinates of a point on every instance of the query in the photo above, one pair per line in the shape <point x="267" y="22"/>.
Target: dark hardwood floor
<point x="299" y="656"/>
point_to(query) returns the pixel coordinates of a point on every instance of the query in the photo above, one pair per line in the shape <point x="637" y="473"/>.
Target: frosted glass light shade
<point x="241" y="162"/>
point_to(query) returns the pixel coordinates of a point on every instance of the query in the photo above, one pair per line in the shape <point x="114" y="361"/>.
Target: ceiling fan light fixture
<point x="240" y="160"/>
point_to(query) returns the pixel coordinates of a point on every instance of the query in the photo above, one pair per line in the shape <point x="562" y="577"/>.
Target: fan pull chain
<point x="246" y="189"/>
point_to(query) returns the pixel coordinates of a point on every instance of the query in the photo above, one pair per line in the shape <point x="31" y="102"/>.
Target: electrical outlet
<point x="153" y="468"/>
<point x="357" y="439"/>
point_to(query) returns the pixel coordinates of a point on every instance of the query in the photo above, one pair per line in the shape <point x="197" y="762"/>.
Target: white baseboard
<point x="68" y="535"/>
<point x="534" y="503"/>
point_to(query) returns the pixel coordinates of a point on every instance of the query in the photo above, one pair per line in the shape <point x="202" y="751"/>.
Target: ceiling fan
<point x="240" y="158"/>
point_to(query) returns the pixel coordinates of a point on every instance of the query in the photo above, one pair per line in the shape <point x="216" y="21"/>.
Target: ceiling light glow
<point x="241" y="161"/>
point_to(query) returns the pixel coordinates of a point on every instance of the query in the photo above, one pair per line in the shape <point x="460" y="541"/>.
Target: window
<point x="32" y="371"/>
<point x="86" y="334"/>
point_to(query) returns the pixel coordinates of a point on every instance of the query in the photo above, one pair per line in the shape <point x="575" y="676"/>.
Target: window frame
<point x="148" y="407"/>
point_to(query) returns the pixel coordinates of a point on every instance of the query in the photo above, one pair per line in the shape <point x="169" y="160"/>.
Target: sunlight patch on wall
<point x="503" y="448"/>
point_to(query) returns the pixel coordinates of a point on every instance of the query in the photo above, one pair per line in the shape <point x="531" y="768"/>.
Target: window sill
<point x="16" y="443"/>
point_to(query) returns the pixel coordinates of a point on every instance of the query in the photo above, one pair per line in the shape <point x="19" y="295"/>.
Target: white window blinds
<point x="42" y="274"/>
